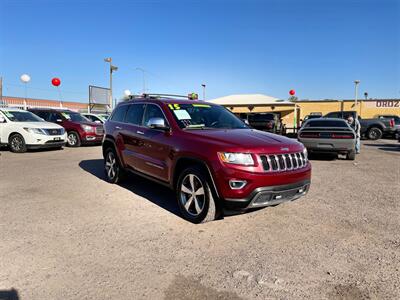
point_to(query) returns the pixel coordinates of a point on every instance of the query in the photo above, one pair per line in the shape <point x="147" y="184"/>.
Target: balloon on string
<point x="127" y="93"/>
<point x="56" y="81"/>
<point x="25" y="78"/>
<point x="292" y="92"/>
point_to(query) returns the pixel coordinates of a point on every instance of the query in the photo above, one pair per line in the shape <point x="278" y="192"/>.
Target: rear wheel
<point x="194" y="196"/>
<point x="374" y="133"/>
<point x="112" y="167"/>
<point x="73" y="139"/>
<point x="16" y="143"/>
<point x="351" y="155"/>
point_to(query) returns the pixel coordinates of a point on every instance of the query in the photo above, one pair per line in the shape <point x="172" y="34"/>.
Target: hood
<point x="93" y="124"/>
<point x="44" y="124"/>
<point x="248" y="140"/>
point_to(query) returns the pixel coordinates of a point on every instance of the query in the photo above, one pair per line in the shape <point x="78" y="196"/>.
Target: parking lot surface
<point x="65" y="233"/>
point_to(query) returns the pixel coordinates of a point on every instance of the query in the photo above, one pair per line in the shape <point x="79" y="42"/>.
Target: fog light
<point x="237" y="184"/>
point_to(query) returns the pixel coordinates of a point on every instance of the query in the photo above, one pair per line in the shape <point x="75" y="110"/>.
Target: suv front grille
<point x="56" y="131"/>
<point x="283" y="162"/>
<point x="99" y="130"/>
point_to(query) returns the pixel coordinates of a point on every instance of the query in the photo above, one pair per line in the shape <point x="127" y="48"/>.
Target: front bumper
<point x="92" y="138"/>
<point x="48" y="144"/>
<point x="269" y="195"/>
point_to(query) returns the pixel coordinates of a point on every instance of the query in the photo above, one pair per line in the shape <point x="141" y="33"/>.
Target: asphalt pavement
<point x="65" y="233"/>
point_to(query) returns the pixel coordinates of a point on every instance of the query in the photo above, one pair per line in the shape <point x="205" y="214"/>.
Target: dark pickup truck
<point x="372" y="129"/>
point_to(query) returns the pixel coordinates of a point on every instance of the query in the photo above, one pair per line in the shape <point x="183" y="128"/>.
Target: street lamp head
<point x="203" y="85"/>
<point x="108" y="59"/>
<point x="114" y="68"/>
<point x="356" y="81"/>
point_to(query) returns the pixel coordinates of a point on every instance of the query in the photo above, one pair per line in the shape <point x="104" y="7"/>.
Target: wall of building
<point x="366" y="109"/>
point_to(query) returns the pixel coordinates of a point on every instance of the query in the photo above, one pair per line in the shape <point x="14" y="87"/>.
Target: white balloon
<point x="127" y="93"/>
<point x="25" y="78"/>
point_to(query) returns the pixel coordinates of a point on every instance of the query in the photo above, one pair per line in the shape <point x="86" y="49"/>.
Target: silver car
<point x="328" y="135"/>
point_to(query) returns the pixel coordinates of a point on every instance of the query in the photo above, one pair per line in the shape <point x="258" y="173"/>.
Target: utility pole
<point x="1" y="90"/>
<point x="112" y="69"/>
<point x="356" y="83"/>
<point x="144" y="78"/>
<point x="204" y="91"/>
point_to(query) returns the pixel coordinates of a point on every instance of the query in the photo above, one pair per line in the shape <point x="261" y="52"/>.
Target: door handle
<point x="140" y="132"/>
<point x="117" y="127"/>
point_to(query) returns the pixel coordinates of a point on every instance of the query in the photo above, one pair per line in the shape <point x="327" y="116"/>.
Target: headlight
<point x="305" y="154"/>
<point x="35" y="130"/>
<point x="244" y="159"/>
<point x="87" y="128"/>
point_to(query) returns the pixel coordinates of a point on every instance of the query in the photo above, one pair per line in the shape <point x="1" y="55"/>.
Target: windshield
<point x="21" y="116"/>
<point x="205" y="116"/>
<point x="74" y="117"/>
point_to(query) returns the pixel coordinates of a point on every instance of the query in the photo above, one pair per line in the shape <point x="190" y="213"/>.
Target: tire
<point x="374" y="133"/>
<point x="351" y="155"/>
<point x="73" y="139"/>
<point x="16" y="143"/>
<point x="195" y="197"/>
<point x="112" y="167"/>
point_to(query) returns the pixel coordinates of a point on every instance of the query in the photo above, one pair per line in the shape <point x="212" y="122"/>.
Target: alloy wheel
<point x="17" y="143"/>
<point x="192" y="195"/>
<point x="111" y="165"/>
<point x="72" y="139"/>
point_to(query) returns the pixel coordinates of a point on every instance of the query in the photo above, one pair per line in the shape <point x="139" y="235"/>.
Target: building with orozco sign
<point x="294" y="112"/>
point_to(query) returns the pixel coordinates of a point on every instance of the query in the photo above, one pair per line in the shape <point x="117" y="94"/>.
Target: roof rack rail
<point x="145" y="95"/>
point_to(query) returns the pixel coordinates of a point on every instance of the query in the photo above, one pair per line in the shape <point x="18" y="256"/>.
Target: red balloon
<point x="56" y="81"/>
<point x="292" y="92"/>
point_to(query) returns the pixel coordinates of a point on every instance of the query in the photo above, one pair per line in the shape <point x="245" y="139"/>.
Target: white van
<point x="22" y="130"/>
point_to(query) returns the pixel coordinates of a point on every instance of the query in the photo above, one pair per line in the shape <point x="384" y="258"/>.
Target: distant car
<point x="309" y="117"/>
<point x="373" y="129"/>
<point x="328" y="135"/>
<point x="265" y="121"/>
<point x="95" y="118"/>
<point x="396" y="120"/>
<point x="79" y="129"/>
<point x="22" y="130"/>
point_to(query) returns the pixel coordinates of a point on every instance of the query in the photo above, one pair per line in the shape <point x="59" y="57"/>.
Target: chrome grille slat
<point x="283" y="162"/>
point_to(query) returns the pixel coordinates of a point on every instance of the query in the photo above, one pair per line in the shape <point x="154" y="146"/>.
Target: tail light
<point x="342" y="136"/>
<point x="309" y="135"/>
<point x="391" y="123"/>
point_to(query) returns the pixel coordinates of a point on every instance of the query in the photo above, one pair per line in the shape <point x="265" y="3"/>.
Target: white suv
<point x="22" y="130"/>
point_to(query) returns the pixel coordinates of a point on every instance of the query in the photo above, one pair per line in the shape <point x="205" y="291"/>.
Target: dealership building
<point x="293" y="112"/>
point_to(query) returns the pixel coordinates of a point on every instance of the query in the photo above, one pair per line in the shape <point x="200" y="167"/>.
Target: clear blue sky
<point x="315" y="47"/>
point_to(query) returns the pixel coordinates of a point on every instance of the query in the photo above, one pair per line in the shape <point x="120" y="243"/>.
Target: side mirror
<point x="157" y="123"/>
<point x="2" y="119"/>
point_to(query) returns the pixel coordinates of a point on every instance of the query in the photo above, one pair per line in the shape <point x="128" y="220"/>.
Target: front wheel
<point x="194" y="196"/>
<point x="73" y="139"/>
<point x="17" y="143"/>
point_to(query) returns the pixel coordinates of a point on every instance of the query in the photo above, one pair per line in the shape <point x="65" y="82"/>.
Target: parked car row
<point x="46" y="128"/>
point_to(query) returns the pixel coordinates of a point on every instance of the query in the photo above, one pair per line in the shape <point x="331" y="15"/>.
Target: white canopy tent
<point x="248" y="99"/>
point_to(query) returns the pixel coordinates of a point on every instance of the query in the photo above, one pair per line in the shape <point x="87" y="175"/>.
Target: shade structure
<point x="247" y="99"/>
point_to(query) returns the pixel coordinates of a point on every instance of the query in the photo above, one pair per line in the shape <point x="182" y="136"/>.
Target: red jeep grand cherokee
<point x="211" y="158"/>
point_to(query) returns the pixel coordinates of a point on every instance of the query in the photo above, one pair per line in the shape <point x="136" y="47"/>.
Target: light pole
<point x="112" y="69"/>
<point x="144" y="78"/>
<point x="356" y="83"/>
<point x="204" y="91"/>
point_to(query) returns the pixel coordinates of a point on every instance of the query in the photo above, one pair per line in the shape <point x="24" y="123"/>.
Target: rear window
<point x="261" y="118"/>
<point x="326" y="123"/>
